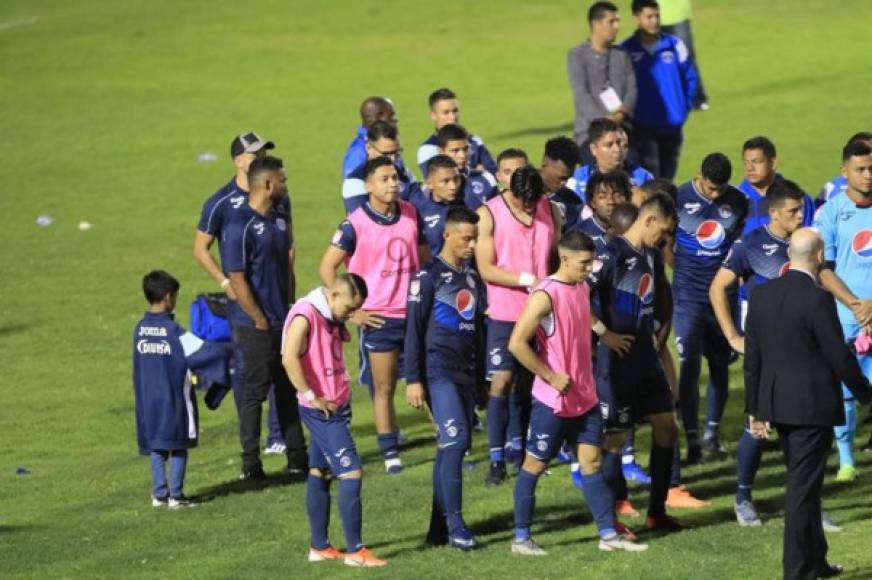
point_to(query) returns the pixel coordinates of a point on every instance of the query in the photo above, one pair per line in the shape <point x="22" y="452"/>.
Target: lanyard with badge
<point x="609" y="96"/>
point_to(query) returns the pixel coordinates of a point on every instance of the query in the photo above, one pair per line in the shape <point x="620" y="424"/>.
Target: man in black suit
<point x="795" y="358"/>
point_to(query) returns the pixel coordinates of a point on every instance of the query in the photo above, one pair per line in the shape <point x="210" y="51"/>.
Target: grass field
<point x="105" y="107"/>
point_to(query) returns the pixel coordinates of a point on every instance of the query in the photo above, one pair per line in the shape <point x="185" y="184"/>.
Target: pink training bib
<point x="518" y="248"/>
<point x="386" y="257"/>
<point x="564" y="345"/>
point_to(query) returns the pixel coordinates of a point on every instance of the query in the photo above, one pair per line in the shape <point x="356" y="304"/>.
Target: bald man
<point x="372" y="110"/>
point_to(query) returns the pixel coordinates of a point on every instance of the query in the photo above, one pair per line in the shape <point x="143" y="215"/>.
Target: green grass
<point x="104" y="108"/>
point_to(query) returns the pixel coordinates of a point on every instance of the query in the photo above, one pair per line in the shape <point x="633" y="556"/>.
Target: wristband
<point x="309" y="395"/>
<point x="526" y="279"/>
<point x="599" y="328"/>
<point x="225" y="283"/>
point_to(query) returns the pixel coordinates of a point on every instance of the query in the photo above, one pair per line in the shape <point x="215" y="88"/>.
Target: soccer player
<point x="711" y="216"/>
<point x="558" y="164"/>
<point x="845" y="224"/>
<point x="565" y="406"/>
<point x="508" y="161"/>
<point x="444" y="344"/>
<point x="477" y="186"/>
<point x="606" y="191"/>
<point x="761" y="163"/>
<point x="668" y="84"/>
<point x="755" y="258"/>
<point x="257" y="259"/>
<point x="380" y="242"/>
<point x="383" y="140"/>
<point x="312" y="356"/>
<point x="610" y="154"/>
<point x="445" y="110"/>
<point x="372" y="110"/>
<point x="839" y="184"/>
<point x="518" y="235"/>
<point x="630" y="381"/>
<point x="442" y="191"/>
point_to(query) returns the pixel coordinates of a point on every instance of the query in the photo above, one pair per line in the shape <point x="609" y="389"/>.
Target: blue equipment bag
<point x="209" y="317"/>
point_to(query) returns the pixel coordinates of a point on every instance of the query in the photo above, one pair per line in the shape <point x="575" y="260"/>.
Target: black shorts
<point x="631" y="388"/>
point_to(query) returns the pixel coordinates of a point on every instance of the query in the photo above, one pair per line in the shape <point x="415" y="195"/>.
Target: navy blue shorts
<point x="698" y="333"/>
<point x="331" y="446"/>
<point x="498" y="356"/>
<point x="547" y="431"/>
<point x="389" y="337"/>
<point x="452" y="406"/>
<point x="631" y="388"/>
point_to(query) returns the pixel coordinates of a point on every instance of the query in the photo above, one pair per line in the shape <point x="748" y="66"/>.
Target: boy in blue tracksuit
<point x="667" y="82"/>
<point x="166" y="410"/>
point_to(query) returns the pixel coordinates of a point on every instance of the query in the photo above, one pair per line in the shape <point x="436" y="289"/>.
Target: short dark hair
<point x="262" y="166"/>
<point x="855" y="149"/>
<point x="372" y="109"/>
<point x="639" y="5"/>
<point x="861" y="136"/>
<point x="601" y="126"/>
<point x="442" y="94"/>
<point x="660" y="205"/>
<point x="460" y="214"/>
<point x="660" y="185"/>
<point x="781" y="191"/>
<point x="373" y="164"/>
<point x="716" y="167"/>
<point x="623" y="216"/>
<point x="440" y="162"/>
<point x="512" y="153"/>
<point x="598" y="10"/>
<point x="157" y="284"/>
<point x="356" y="284"/>
<point x="450" y="132"/>
<point x="563" y="149"/>
<point x="614" y="180"/>
<point x="764" y="144"/>
<point x="576" y="241"/>
<point x="381" y="130"/>
<point x="526" y="184"/>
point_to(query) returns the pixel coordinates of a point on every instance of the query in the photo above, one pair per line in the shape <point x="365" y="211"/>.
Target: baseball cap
<point x="249" y="143"/>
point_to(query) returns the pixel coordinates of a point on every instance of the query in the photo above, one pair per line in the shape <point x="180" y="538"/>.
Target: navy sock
<point x="716" y="396"/>
<point x="497" y="420"/>
<point x="675" y="472"/>
<point x="661" y="466"/>
<point x="688" y="396"/>
<point x="600" y="502"/>
<point x="451" y="479"/>
<point x="351" y="512"/>
<point x="318" y="508"/>
<point x="525" y="501"/>
<point x="389" y="444"/>
<point x="516" y="429"/>
<point x="748" y="462"/>
<point x="613" y="474"/>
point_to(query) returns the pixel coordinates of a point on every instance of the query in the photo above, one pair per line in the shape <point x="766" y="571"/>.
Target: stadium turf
<point x="105" y="108"/>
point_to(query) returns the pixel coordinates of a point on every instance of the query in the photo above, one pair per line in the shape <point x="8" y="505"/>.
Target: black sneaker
<point x="496" y="474"/>
<point x="253" y="474"/>
<point x="694" y="455"/>
<point x="182" y="501"/>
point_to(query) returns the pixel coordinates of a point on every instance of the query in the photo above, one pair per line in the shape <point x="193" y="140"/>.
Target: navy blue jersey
<point x="445" y="324"/>
<point x="220" y="206"/>
<point x="478" y="154"/>
<point x="477" y="188"/>
<point x="354" y="192"/>
<point x="258" y="246"/>
<point x="757" y="257"/>
<point x="595" y="230"/>
<point x="623" y="287"/>
<point x="758" y="207"/>
<point x="431" y="217"/>
<point x="706" y="230"/>
<point x="165" y="407"/>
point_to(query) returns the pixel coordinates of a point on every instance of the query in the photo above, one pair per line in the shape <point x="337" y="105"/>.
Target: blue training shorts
<point x="331" y="446"/>
<point x="547" y="431"/>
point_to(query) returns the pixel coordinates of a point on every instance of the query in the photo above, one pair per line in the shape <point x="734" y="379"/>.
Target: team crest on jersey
<point x="861" y="243"/>
<point x="667" y="56"/>
<point x="237" y="201"/>
<point x="725" y="211"/>
<point x="646" y="288"/>
<point x="258" y="228"/>
<point x="281" y="224"/>
<point x="784" y="268"/>
<point x="464" y="303"/>
<point x="710" y="234"/>
<point x="415" y="287"/>
<point x="477" y="188"/>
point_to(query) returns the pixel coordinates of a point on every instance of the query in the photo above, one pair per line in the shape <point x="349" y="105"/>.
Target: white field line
<point x="10" y="24"/>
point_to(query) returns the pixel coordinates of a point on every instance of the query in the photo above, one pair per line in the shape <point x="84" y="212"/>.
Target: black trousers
<point x="805" y="453"/>
<point x="659" y="150"/>
<point x="261" y="351"/>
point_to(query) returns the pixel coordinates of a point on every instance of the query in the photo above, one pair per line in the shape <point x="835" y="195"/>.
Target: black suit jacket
<point x="795" y="355"/>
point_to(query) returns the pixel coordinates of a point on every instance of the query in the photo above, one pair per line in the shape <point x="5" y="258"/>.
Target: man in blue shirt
<point x="372" y="110"/>
<point x="257" y="259"/>
<point x="445" y="110"/>
<point x="382" y="140"/>
<point x="711" y="216"/>
<point x="607" y="145"/>
<point x="839" y="184"/>
<point x="845" y="224"/>
<point x="667" y="83"/>
<point x="477" y="186"/>
<point x="760" y="162"/>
